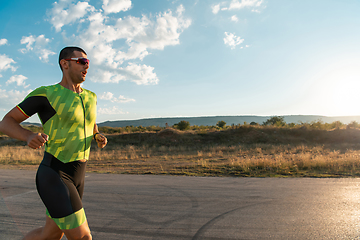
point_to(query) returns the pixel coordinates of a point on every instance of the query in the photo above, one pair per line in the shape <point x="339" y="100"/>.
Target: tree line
<point x="275" y="121"/>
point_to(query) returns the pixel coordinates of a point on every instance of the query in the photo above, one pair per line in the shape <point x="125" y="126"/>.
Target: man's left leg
<point x="49" y="231"/>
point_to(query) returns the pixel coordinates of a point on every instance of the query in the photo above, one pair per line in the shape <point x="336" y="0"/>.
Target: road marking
<point x="18" y="195"/>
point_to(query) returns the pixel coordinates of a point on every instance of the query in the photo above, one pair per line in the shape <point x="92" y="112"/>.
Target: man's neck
<point x="67" y="83"/>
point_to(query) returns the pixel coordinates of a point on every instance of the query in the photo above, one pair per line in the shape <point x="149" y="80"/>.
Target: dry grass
<point x="21" y="157"/>
<point x="251" y="151"/>
<point x="258" y="160"/>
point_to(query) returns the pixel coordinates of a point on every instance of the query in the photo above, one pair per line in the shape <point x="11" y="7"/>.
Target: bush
<point x="353" y="124"/>
<point x="275" y="121"/>
<point x="291" y="125"/>
<point x="182" y="125"/>
<point x="337" y="124"/>
<point x="221" y="124"/>
<point x="320" y="125"/>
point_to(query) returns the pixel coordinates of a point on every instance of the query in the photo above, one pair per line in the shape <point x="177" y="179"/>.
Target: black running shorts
<point x="61" y="186"/>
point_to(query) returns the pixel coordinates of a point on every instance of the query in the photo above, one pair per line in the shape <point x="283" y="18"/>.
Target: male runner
<point x="67" y="113"/>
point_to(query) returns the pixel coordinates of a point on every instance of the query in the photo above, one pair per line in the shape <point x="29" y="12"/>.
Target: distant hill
<point x="30" y="124"/>
<point x="211" y="121"/>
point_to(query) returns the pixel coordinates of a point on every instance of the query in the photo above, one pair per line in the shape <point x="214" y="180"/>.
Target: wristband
<point x="95" y="135"/>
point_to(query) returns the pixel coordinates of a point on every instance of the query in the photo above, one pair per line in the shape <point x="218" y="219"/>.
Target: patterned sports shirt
<point x="68" y="118"/>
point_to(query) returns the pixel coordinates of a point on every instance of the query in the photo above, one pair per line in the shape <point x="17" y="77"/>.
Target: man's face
<point x="77" y="71"/>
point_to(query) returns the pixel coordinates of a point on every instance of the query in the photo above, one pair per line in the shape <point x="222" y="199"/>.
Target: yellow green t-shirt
<point x="68" y="118"/>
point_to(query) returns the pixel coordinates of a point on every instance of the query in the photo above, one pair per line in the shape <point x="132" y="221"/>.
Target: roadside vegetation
<point x="271" y="149"/>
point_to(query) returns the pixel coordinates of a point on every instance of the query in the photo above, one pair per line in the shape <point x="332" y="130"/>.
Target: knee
<point x="87" y="236"/>
<point x="44" y="234"/>
<point x="53" y="237"/>
<point x="80" y="233"/>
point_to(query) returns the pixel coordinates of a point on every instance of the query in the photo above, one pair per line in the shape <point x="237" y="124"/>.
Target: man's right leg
<point x="49" y="231"/>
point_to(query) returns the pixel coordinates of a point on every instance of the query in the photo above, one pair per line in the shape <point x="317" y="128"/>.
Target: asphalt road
<point x="166" y="207"/>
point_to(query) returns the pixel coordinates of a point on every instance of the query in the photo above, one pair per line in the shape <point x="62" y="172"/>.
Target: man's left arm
<point x="99" y="138"/>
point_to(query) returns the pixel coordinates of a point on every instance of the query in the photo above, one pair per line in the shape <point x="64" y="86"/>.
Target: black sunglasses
<point x="80" y="60"/>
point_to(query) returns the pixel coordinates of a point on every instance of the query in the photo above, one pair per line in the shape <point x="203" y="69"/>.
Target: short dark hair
<point x="68" y="52"/>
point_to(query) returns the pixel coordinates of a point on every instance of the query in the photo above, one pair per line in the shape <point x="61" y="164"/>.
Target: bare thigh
<point x="51" y="230"/>
<point x="81" y="232"/>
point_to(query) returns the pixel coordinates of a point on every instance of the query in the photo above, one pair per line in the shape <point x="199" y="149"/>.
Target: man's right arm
<point x="10" y="125"/>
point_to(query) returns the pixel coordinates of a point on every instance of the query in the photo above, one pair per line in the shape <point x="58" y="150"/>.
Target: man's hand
<point x="101" y="140"/>
<point x="37" y="140"/>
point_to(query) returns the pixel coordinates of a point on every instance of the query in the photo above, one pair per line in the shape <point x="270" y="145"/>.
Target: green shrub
<point x="182" y="125"/>
<point x="353" y="124"/>
<point x="275" y="121"/>
<point x="221" y="124"/>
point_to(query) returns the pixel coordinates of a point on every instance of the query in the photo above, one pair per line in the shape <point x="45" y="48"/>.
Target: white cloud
<point x="215" y="8"/>
<point x="38" y="45"/>
<point x="110" y="111"/>
<point x="106" y="76"/>
<point x="107" y="96"/>
<point x="6" y="63"/>
<point x="139" y="74"/>
<point x="10" y="98"/>
<point x="123" y="99"/>
<point x="115" y="6"/>
<point x="64" y="12"/>
<point x="234" y="18"/>
<point x="3" y="41"/>
<point x="18" y="79"/>
<point x="237" y="5"/>
<point x="255" y="5"/>
<point x="138" y="35"/>
<point x="232" y="40"/>
<point x="110" y="96"/>
<point x="29" y="42"/>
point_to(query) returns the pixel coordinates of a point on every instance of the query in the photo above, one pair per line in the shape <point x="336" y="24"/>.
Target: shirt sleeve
<point x="37" y="102"/>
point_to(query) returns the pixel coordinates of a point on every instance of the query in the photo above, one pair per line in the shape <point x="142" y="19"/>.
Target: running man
<point x="67" y="113"/>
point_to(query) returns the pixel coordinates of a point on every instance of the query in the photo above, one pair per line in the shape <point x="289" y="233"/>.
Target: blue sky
<point x="171" y="58"/>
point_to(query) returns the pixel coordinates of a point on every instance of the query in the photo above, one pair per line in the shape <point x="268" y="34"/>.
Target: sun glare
<point x="334" y="91"/>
